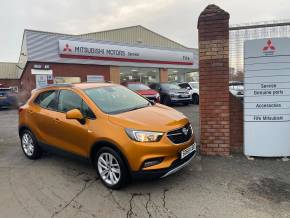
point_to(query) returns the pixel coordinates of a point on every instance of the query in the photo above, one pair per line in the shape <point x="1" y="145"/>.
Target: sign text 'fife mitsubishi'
<point x="267" y="97"/>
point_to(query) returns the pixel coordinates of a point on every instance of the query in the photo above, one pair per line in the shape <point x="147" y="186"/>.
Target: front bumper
<point x="177" y="100"/>
<point x="161" y="173"/>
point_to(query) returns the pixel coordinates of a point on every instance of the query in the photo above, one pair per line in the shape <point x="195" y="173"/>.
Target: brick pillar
<point x="213" y="32"/>
<point x="163" y="75"/>
<point x="115" y="74"/>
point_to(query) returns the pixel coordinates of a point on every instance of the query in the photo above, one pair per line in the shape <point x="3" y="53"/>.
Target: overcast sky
<point x="175" y="19"/>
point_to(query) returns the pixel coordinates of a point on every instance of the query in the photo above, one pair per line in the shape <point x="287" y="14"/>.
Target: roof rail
<point x="58" y="85"/>
<point x="53" y="85"/>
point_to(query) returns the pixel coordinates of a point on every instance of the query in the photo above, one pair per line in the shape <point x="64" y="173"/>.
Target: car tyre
<point x="29" y="145"/>
<point x="111" y="168"/>
<point x="195" y="99"/>
<point x="167" y="101"/>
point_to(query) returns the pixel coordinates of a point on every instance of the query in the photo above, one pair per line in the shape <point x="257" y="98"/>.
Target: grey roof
<point x="135" y="35"/>
<point x="8" y="70"/>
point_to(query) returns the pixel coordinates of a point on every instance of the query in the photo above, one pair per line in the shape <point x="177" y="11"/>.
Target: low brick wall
<point x="236" y="124"/>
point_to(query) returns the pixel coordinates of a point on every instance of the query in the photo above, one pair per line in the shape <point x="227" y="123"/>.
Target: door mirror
<point x="74" y="114"/>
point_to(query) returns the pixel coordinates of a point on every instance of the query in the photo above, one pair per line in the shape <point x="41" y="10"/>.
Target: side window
<point x="47" y="100"/>
<point x="152" y="86"/>
<point x="181" y="85"/>
<point x="69" y="100"/>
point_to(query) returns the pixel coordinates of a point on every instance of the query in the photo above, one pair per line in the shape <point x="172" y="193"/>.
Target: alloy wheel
<point x="27" y="144"/>
<point x="109" y="169"/>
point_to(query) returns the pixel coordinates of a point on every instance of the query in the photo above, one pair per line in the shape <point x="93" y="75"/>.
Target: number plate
<point x="187" y="151"/>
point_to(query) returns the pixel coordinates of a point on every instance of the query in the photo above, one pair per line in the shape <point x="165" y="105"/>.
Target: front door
<point x="72" y="134"/>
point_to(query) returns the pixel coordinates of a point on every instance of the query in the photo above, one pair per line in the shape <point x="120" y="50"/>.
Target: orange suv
<point x="122" y="133"/>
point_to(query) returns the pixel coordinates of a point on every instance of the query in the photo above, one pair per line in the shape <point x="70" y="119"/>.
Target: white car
<point x="193" y="88"/>
<point x="236" y="88"/>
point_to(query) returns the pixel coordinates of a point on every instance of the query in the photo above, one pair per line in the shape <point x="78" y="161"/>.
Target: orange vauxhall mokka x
<point x="123" y="134"/>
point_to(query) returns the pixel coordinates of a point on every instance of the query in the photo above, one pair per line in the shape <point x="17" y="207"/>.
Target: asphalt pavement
<point x="55" y="186"/>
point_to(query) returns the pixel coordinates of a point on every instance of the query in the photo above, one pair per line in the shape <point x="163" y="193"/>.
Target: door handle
<point x="57" y="120"/>
<point x="30" y="111"/>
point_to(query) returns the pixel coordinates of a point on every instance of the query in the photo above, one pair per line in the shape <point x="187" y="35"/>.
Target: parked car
<point x="123" y="134"/>
<point x="171" y="93"/>
<point x="236" y="88"/>
<point x="193" y="88"/>
<point x="143" y="90"/>
<point x="8" y="99"/>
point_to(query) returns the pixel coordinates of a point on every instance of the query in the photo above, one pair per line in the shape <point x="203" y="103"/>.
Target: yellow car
<point x="123" y="134"/>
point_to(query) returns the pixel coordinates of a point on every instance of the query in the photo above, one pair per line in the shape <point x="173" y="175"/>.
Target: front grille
<point x="180" y="135"/>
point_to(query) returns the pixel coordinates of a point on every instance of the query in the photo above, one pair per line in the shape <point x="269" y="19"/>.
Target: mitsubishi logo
<point x="269" y="46"/>
<point x="185" y="131"/>
<point x="67" y="48"/>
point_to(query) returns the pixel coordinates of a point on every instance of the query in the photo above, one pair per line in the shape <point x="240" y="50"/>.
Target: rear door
<point x="41" y="116"/>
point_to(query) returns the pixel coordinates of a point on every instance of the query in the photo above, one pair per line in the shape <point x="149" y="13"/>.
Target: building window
<point x="182" y="75"/>
<point x="137" y="74"/>
<point x="67" y="79"/>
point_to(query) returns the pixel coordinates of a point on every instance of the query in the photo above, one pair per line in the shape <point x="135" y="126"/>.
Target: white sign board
<point x="95" y="78"/>
<point x="41" y="72"/>
<point x="121" y="53"/>
<point x="267" y="97"/>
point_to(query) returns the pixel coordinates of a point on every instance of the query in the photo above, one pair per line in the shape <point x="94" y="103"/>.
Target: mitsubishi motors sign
<point x="267" y="97"/>
<point x="120" y="53"/>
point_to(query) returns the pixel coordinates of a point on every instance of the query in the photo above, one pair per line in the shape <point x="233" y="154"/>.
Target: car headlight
<point x="157" y="95"/>
<point x="144" y="136"/>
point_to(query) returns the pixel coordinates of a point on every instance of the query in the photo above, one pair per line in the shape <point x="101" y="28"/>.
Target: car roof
<point x="134" y="82"/>
<point x="75" y="85"/>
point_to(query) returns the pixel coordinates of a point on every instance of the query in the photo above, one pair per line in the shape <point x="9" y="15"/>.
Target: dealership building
<point x="127" y="54"/>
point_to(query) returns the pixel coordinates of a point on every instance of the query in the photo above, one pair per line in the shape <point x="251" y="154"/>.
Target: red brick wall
<point x="71" y="70"/>
<point x="213" y="32"/>
<point x="236" y="124"/>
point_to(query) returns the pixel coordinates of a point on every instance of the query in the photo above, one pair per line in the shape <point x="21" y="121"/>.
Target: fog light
<point x="152" y="162"/>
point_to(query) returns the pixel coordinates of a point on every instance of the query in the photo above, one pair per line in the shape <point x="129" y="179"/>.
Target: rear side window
<point x="69" y="100"/>
<point x="47" y="100"/>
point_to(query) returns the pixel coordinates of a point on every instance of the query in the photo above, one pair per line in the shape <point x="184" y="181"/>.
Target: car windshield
<point x="116" y="99"/>
<point x="168" y="86"/>
<point x="137" y="86"/>
<point x="194" y="85"/>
